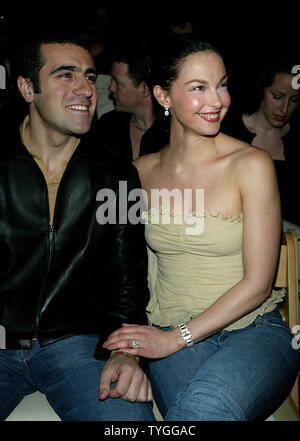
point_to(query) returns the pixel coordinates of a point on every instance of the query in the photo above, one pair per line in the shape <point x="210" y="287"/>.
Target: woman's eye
<point x="277" y="97"/>
<point x="198" y="88"/>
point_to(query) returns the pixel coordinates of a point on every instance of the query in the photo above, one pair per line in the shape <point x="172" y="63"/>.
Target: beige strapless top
<point x="192" y="262"/>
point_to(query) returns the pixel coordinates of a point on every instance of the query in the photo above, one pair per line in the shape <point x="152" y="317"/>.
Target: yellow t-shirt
<point x="52" y="185"/>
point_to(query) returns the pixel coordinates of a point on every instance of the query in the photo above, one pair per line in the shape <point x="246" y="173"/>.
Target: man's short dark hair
<point x="137" y="55"/>
<point x="29" y="60"/>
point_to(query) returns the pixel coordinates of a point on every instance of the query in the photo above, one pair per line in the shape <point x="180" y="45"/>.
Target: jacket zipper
<point x="51" y="241"/>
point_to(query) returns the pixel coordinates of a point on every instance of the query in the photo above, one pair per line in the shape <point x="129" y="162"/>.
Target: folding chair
<point x="287" y="277"/>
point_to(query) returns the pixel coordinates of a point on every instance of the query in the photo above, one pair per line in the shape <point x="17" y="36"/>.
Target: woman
<point x="266" y="118"/>
<point x="222" y="351"/>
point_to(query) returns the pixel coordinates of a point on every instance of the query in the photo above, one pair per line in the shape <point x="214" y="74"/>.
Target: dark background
<point x="242" y="31"/>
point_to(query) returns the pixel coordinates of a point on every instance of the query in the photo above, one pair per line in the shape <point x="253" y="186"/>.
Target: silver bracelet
<point x="186" y="334"/>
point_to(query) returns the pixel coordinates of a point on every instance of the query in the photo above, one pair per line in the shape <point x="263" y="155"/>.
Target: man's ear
<point x="161" y="96"/>
<point x="26" y="88"/>
<point x="145" y="89"/>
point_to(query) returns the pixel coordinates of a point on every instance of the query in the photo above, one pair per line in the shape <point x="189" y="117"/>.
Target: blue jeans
<point x="69" y="375"/>
<point x="240" y="375"/>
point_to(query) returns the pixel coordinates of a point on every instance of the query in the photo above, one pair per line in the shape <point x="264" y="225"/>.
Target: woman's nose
<point x="215" y="100"/>
<point x="284" y="105"/>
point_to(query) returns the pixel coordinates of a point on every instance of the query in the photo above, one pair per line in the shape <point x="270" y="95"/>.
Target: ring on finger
<point x="136" y="343"/>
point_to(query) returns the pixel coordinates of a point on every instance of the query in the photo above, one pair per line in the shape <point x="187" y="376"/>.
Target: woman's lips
<point x="210" y="117"/>
<point x="280" y="118"/>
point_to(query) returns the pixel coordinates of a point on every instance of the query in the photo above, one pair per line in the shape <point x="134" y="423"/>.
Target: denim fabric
<point x="69" y="375"/>
<point x="240" y="375"/>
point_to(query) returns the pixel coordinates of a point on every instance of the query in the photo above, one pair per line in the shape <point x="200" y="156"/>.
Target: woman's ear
<point x="161" y="96"/>
<point x="26" y="89"/>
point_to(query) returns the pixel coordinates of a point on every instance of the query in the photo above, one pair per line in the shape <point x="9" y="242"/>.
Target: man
<point x="66" y="279"/>
<point x="136" y="126"/>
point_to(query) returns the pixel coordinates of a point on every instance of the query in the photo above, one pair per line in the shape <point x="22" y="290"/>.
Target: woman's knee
<point x="205" y="402"/>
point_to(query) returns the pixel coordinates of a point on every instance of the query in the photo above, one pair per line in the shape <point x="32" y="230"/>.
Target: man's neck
<point x="51" y="148"/>
<point x="144" y="116"/>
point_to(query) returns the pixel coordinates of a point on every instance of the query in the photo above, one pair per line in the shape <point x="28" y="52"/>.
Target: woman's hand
<point x="153" y="343"/>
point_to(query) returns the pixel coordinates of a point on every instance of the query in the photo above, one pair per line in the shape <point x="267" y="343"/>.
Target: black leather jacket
<point x="76" y="276"/>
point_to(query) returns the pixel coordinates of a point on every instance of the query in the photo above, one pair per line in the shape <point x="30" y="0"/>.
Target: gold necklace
<point x="133" y="119"/>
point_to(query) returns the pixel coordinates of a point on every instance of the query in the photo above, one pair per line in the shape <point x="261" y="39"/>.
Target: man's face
<point x="68" y="96"/>
<point x="127" y="96"/>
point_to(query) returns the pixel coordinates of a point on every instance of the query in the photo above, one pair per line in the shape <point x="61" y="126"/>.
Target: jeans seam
<point x="4" y="403"/>
<point x="165" y="397"/>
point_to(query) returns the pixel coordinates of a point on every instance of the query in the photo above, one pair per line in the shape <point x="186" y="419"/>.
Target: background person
<point x="136" y="126"/>
<point x="266" y="115"/>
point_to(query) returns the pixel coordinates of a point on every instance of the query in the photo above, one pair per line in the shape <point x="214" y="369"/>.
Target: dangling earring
<point x="167" y="113"/>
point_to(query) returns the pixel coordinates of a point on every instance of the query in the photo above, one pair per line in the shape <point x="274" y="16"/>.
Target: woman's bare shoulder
<point x="244" y="154"/>
<point x="252" y="168"/>
<point x="146" y="163"/>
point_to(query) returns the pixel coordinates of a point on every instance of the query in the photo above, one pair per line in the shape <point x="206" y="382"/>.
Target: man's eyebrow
<point x="64" y="67"/>
<point x="91" y="70"/>
<point x="72" y="69"/>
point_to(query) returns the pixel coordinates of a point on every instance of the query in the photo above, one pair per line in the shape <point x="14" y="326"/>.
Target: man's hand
<point x="132" y="383"/>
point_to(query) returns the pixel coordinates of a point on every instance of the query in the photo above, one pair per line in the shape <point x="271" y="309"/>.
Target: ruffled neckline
<point x="207" y="213"/>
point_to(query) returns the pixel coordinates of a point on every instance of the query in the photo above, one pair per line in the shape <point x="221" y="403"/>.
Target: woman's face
<point x="199" y="98"/>
<point x="280" y="100"/>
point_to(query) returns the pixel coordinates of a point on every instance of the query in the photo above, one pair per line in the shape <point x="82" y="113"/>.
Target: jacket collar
<point x="13" y="148"/>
